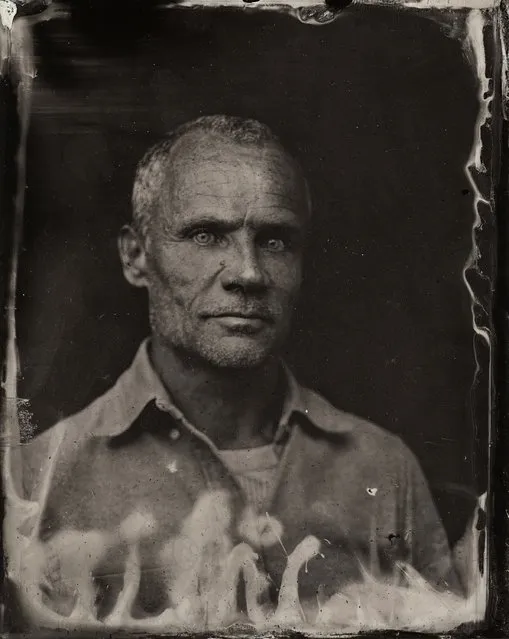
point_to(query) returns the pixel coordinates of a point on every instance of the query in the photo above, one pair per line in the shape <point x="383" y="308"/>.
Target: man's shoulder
<point x="105" y="412"/>
<point x="105" y="409"/>
<point x="365" y="434"/>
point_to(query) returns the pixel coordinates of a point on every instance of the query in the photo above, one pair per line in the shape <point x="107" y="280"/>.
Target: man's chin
<point x="237" y="353"/>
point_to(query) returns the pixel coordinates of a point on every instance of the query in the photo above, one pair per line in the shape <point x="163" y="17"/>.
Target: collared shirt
<point x="115" y="411"/>
<point x="255" y="470"/>
<point x="353" y="485"/>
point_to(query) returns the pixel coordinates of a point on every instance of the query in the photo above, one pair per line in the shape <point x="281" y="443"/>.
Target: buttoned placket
<point x="285" y="438"/>
<point x="175" y="434"/>
<point x="285" y="434"/>
<point x="286" y="441"/>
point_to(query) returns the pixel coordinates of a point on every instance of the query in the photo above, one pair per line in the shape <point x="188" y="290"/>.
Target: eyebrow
<point x="226" y="226"/>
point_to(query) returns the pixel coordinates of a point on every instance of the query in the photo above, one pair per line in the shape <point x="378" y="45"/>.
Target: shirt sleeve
<point x="39" y="457"/>
<point x="425" y="534"/>
<point x="34" y="456"/>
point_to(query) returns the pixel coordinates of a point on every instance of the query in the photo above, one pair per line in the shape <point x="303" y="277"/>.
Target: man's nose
<point x="242" y="269"/>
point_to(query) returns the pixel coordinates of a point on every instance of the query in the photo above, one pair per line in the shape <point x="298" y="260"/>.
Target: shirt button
<point x="160" y="405"/>
<point x="174" y="434"/>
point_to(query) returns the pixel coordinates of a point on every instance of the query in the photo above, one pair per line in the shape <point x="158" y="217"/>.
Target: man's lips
<point x="247" y="316"/>
<point x="241" y="318"/>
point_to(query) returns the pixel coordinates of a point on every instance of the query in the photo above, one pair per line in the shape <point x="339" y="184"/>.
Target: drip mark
<point x="275" y="533"/>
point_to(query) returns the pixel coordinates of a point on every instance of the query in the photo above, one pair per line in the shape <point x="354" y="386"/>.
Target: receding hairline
<point x="186" y="149"/>
<point x="177" y="159"/>
<point x="155" y="169"/>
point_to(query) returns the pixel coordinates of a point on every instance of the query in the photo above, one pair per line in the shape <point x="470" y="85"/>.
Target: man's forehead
<point x="208" y="166"/>
<point x="207" y="152"/>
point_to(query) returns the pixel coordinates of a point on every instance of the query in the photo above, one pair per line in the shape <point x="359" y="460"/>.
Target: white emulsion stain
<point x="296" y="5"/>
<point x="476" y="24"/>
<point x="172" y="466"/>
<point x="7" y="12"/>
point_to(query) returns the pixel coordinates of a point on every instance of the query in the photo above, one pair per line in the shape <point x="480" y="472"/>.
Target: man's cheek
<point x="286" y="292"/>
<point x="187" y="296"/>
<point x="285" y="274"/>
<point x="175" y="282"/>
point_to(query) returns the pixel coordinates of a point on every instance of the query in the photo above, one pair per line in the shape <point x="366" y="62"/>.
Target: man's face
<point x="224" y="254"/>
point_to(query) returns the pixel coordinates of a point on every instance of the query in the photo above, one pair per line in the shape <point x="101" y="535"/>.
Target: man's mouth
<point x="246" y="316"/>
<point x="243" y="322"/>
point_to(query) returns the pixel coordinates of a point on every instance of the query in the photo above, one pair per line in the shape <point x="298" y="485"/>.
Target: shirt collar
<point x="315" y="408"/>
<point x="140" y="384"/>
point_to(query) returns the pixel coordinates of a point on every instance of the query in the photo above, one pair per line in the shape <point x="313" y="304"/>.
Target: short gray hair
<point x="152" y="170"/>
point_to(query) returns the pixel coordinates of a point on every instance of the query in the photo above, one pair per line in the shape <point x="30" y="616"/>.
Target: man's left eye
<point x="204" y="238"/>
<point x="275" y="244"/>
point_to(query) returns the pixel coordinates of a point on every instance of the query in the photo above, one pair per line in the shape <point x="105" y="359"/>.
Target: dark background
<point x="379" y="107"/>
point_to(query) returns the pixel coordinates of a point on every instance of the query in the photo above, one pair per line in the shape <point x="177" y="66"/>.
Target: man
<point x="220" y="216"/>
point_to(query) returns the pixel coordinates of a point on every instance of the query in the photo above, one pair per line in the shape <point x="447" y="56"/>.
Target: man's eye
<point x="275" y="244"/>
<point x="205" y="238"/>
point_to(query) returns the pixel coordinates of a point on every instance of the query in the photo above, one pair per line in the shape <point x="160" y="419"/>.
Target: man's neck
<point x="235" y="408"/>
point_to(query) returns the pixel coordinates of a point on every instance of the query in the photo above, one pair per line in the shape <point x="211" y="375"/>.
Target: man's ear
<point x="131" y="248"/>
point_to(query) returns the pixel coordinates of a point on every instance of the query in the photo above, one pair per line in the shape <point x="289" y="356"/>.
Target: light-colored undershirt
<point x="255" y="470"/>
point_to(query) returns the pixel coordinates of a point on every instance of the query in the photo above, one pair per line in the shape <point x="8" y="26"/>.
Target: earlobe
<point x="131" y="248"/>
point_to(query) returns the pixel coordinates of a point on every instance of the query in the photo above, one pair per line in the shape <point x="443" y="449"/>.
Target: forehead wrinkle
<point x="271" y="164"/>
<point x="188" y="181"/>
<point x="278" y="176"/>
<point x="200" y="179"/>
